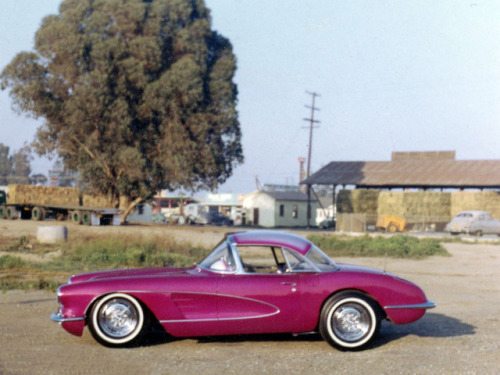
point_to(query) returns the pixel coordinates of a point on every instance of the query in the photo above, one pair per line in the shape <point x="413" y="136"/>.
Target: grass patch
<point x="9" y="262"/>
<point x="399" y="246"/>
<point x="28" y="265"/>
<point x="135" y="251"/>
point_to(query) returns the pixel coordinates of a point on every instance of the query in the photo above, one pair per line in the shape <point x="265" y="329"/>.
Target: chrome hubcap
<point x="350" y="322"/>
<point x="118" y="317"/>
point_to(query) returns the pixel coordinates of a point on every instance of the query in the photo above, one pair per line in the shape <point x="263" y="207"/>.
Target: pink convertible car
<point x="253" y="282"/>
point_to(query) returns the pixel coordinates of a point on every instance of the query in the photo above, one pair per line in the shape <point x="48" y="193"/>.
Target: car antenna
<point x="385" y="263"/>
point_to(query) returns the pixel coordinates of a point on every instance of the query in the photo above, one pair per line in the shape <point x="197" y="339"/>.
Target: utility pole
<point x="302" y="173"/>
<point x="311" y="121"/>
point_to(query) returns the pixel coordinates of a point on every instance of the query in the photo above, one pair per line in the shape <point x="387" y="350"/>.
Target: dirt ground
<point x="460" y="336"/>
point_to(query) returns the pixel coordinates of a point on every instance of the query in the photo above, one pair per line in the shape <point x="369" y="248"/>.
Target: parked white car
<point x="473" y="222"/>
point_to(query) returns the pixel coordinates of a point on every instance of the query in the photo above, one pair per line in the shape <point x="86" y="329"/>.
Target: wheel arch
<point x="381" y="311"/>
<point x="147" y="310"/>
<point x="347" y="335"/>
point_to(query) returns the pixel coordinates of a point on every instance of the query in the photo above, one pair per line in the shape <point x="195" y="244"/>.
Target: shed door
<point x="255" y="216"/>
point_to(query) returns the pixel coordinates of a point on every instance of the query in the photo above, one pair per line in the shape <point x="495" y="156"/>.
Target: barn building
<point x="414" y="184"/>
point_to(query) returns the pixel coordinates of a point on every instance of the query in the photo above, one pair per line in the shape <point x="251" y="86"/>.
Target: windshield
<point x="220" y="260"/>
<point x="320" y="259"/>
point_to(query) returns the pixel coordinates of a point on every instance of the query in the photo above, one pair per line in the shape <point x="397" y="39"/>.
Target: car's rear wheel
<point x="117" y="319"/>
<point x="349" y="321"/>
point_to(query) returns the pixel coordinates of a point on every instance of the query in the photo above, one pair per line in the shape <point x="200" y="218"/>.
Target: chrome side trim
<point x="58" y="318"/>
<point x="218" y="319"/>
<point x="426" y="305"/>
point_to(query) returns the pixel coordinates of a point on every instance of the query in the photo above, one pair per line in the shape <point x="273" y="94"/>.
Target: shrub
<point x="398" y="246"/>
<point x="8" y="262"/>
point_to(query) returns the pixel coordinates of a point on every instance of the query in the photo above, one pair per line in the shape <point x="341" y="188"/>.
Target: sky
<point x="392" y="75"/>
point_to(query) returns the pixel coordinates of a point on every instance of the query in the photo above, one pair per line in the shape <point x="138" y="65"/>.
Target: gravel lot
<point x="460" y="336"/>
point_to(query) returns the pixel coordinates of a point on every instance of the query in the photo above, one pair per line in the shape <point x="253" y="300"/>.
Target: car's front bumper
<point x="74" y="325"/>
<point x="58" y="318"/>
<point x="426" y="305"/>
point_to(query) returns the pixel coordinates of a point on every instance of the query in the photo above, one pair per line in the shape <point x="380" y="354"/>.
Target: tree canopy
<point x="15" y="168"/>
<point x="137" y="95"/>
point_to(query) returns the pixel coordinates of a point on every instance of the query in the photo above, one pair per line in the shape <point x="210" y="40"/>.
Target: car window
<point x="262" y="259"/>
<point x="320" y="259"/>
<point x="297" y="263"/>
<point x="220" y="260"/>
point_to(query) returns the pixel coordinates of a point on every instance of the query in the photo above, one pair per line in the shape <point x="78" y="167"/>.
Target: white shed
<point x="278" y="209"/>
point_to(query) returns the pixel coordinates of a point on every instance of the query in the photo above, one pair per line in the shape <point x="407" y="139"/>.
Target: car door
<point x="259" y="303"/>
<point x="262" y="298"/>
<point x="492" y="226"/>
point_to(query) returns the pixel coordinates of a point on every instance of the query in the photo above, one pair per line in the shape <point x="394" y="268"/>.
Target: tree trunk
<point x="130" y="208"/>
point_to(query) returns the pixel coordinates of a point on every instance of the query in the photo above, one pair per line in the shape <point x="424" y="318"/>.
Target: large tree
<point x="5" y="164"/>
<point x="137" y="95"/>
<point x="21" y="165"/>
<point x="16" y="168"/>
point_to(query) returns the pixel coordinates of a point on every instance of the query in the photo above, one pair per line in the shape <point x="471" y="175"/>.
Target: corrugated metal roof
<point x="410" y="173"/>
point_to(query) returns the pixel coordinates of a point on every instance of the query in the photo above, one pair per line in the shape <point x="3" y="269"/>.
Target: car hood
<point x="343" y="267"/>
<point x="131" y="272"/>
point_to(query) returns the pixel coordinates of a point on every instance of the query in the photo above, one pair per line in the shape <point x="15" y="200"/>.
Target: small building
<point x="169" y="203"/>
<point x="143" y="213"/>
<point x="278" y="209"/>
<point x="227" y="204"/>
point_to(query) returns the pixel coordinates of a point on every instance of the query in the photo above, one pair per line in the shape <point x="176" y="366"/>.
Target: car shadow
<point x="431" y="325"/>
<point x="158" y="337"/>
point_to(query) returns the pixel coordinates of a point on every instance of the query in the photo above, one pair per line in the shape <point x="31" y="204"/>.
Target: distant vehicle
<point x="193" y="212"/>
<point x="159" y="218"/>
<point x="176" y="219"/>
<point x="473" y="222"/>
<point x="61" y="203"/>
<point x="214" y="218"/>
<point x="327" y="223"/>
<point x="390" y="224"/>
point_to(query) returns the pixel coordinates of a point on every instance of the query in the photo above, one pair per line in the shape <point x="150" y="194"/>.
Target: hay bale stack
<point x="56" y="196"/>
<point x="427" y="203"/>
<point x="391" y="203"/>
<point x="43" y="195"/>
<point x="359" y="201"/>
<point x="476" y="200"/>
<point x="96" y="201"/>
<point x="420" y="203"/>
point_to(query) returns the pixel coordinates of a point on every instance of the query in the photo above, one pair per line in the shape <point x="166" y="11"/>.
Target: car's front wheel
<point x="117" y="319"/>
<point x="349" y="321"/>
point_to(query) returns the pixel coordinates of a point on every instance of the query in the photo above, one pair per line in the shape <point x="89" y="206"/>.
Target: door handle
<point x="289" y="283"/>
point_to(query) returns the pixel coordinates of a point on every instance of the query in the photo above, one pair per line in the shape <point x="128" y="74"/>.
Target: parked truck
<point x="42" y="202"/>
<point x="390" y="223"/>
<point x="193" y="213"/>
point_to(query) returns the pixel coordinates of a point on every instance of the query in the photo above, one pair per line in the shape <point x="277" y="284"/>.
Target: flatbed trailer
<point x="77" y="214"/>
